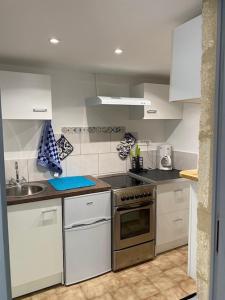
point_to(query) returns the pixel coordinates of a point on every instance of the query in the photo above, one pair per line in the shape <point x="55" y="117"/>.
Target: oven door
<point x="133" y="225"/>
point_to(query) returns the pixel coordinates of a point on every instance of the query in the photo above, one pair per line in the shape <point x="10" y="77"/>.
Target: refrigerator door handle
<point x="93" y="222"/>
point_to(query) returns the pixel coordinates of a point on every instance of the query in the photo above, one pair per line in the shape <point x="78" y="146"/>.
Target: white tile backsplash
<point x="95" y="143"/>
<point x="115" y="139"/>
<point x="111" y="163"/>
<point x="185" y="160"/>
<point x="96" y="155"/>
<point x="82" y="165"/>
<point x="36" y="173"/>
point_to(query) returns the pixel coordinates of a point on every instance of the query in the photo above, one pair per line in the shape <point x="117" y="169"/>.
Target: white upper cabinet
<point x="25" y="96"/>
<point x="160" y="107"/>
<point x="185" y="77"/>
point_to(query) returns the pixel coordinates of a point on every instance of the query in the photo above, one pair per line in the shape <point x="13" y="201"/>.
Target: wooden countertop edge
<point x="190" y="174"/>
<point x="51" y="193"/>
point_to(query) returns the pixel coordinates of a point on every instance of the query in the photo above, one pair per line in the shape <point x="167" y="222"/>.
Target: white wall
<point x="183" y="135"/>
<point x="93" y="154"/>
<point x="69" y="91"/>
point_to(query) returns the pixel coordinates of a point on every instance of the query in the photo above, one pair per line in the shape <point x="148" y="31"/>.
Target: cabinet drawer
<point x="172" y="198"/>
<point x="172" y="227"/>
<point x="84" y="207"/>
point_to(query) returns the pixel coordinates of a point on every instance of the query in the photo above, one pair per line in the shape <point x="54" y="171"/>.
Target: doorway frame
<point x="217" y="262"/>
<point x="5" y="281"/>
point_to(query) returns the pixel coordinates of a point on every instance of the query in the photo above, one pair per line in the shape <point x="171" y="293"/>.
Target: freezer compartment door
<point x="87" y="251"/>
<point x="86" y="207"/>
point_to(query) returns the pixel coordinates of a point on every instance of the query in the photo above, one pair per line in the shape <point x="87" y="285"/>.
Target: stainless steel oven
<point x="133" y="220"/>
<point x="134" y="224"/>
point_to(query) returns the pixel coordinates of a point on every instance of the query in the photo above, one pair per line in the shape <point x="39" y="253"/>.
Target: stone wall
<point x="206" y="147"/>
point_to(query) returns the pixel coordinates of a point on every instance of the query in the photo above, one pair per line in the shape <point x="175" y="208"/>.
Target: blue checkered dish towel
<point x="48" y="152"/>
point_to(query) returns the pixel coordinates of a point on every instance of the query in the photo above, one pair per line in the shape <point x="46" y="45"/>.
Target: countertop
<point x="51" y="193"/>
<point x="190" y="174"/>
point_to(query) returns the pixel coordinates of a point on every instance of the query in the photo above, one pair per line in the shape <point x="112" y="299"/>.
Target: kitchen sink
<point x="26" y="189"/>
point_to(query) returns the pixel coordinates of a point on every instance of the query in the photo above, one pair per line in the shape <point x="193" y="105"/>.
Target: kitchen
<point x="94" y="133"/>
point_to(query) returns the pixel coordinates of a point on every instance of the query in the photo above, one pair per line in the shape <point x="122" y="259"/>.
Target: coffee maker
<point x="164" y="157"/>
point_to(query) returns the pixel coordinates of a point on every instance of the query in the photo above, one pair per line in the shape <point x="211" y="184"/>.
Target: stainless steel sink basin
<point x="26" y="189"/>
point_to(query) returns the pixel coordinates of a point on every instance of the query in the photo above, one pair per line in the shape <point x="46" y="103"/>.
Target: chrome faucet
<point x="17" y="172"/>
<point x="17" y="181"/>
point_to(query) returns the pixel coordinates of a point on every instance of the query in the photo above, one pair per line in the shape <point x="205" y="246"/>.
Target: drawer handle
<point x="49" y="210"/>
<point x="177" y="191"/>
<point x="40" y="109"/>
<point x="49" y="216"/>
<point x="178" y="220"/>
<point x="90" y="203"/>
<point x="152" y="111"/>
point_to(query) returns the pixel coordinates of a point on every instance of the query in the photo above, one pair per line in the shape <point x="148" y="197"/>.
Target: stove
<point x="156" y="176"/>
<point x="119" y="181"/>
<point x="133" y="220"/>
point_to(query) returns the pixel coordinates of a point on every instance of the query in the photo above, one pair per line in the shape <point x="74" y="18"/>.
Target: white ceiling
<point x="90" y="30"/>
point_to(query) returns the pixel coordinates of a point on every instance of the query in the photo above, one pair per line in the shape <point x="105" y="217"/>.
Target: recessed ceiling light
<point x="54" y="41"/>
<point x="118" y="51"/>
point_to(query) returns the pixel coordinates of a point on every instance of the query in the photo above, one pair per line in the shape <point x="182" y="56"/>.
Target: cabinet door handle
<point x="152" y="111"/>
<point x="49" y="210"/>
<point x="49" y="216"/>
<point x="40" y="109"/>
<point x="178" y="220"/>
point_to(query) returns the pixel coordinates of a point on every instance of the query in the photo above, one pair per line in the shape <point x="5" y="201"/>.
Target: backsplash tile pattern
<point x="95" y="154"/>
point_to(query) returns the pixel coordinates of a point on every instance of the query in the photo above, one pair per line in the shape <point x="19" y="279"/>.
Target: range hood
<point x="102" y="100"/>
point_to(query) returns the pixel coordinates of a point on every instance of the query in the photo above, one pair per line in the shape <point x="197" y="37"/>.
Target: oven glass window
<point x="134" y="223"/>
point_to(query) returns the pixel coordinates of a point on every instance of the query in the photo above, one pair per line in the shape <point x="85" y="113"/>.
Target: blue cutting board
<point x="69" y="183"/>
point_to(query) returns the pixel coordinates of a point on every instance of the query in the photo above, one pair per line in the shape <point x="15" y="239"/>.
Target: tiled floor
<point x="163" y="278"/>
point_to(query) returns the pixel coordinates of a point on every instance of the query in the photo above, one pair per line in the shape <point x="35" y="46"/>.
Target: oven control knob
<point x="123" y="198"/>
<point x="127" y="198"/>
<point x="131" y="197"/>
<point x="136" y="196"/>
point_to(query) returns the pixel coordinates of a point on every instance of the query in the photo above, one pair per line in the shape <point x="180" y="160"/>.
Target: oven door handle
<point x="129" y="208"/>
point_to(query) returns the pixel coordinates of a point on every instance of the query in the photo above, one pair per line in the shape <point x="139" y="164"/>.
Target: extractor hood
<point x="102" y="100"/>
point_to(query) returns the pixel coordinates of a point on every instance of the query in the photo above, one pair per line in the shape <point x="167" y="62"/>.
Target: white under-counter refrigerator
<point x="87" y="236"/>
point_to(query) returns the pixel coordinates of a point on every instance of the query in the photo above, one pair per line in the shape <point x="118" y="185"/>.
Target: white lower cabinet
<point x="35" y="241"/>
<point x="172" y="215"/>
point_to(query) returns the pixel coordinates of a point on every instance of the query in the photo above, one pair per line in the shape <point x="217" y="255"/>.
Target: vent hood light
<point x="101" y="100"/>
